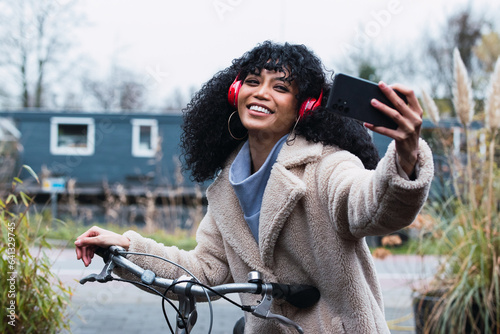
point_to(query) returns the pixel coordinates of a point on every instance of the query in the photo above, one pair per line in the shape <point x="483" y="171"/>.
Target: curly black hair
<point x="206" y="141"/>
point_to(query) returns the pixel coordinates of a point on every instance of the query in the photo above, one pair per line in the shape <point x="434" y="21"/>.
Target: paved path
<point x="117" y="307"/>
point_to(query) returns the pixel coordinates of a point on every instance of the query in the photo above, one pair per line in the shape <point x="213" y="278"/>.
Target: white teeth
<point x="260" y="109"/>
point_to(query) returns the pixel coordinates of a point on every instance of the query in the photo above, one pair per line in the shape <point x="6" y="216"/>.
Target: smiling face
<point x="267" y="104"/>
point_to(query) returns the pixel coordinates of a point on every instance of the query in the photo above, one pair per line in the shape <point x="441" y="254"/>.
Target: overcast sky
<point x="183" y="43"/>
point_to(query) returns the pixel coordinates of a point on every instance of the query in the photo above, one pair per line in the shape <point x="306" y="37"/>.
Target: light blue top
<point x="249" y="188"/>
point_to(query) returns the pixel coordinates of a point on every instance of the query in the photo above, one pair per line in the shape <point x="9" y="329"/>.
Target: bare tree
<point x="429" y="59"/>
<point x="103" y="92"/>
<point x="462" y="30"/>
<point x="132" y="95"/>
<point x="34" y="40"/>
<point x="375" y="62"/>
<point x="121" y="89"/>
<point x="176" y="100"/>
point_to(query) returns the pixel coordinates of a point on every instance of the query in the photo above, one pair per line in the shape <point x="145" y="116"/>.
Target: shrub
<point x="466" y="232"/>
<point x="34" y="298"/>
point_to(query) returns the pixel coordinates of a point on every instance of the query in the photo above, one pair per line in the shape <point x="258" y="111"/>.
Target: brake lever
<point x="263" y="309"/>
<point x="105" y="274"/>
<point x="187" y="304"/>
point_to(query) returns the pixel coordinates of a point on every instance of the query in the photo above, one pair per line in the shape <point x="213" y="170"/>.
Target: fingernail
<point x="382" y="84"/>
<point x="77" y="242"/>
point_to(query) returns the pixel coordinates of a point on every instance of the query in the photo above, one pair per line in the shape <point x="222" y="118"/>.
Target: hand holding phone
<point x="351" y="97"/>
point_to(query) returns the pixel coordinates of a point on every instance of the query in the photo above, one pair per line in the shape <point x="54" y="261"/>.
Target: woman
<point x="297" y="189"/>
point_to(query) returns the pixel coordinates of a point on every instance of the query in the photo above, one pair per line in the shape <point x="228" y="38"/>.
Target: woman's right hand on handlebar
<point x="97" y="237"/>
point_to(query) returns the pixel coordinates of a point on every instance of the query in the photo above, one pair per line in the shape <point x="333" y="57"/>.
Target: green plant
<point x="34" y="298"/>
<point x="68" y="231"/>
<point x="466" y="233"/>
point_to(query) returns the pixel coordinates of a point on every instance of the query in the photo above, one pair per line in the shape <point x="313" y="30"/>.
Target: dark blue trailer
<point x="95" y="147"/>
<point x="138" y="150"/>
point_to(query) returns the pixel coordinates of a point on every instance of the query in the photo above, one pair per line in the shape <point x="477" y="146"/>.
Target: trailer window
<point x="144" y="137"/>
<point x="72" y="136"/>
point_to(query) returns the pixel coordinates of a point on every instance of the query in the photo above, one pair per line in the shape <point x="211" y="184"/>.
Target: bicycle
<point x="188" y="288"/>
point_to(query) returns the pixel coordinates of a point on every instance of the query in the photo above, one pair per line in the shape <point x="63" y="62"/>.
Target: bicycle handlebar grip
<point x="301" y="295"/>
<point x="103" y="252"/>
<point x="106" y="252"/>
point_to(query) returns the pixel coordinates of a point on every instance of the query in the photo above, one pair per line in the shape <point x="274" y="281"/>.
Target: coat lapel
<point x="226" y="210"/>
<point x="284" y="189"/>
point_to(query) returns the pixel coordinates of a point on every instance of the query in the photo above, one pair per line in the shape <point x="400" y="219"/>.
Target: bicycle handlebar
<point x="300" y="296"/>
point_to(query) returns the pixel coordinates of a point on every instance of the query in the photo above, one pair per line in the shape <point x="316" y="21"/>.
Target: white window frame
<point x="137" y="150"/>
<point x="55" y="149"/>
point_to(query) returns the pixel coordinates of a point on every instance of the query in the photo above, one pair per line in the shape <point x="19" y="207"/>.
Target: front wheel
<point x="239" y="327"/>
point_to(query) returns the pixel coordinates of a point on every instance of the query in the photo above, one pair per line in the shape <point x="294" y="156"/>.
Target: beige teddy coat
<point x="318" y="206"/>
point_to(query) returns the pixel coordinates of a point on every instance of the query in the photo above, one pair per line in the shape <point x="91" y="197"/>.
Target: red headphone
<point x="306" y="108"/>
<point x="234" y="89"/>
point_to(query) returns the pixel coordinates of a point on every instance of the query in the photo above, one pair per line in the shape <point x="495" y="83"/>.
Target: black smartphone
<point x="351" y="96"/>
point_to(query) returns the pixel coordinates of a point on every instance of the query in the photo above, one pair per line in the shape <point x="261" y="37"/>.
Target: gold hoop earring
<point x="290" y="141"/>
<point x="229" y="128"/>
